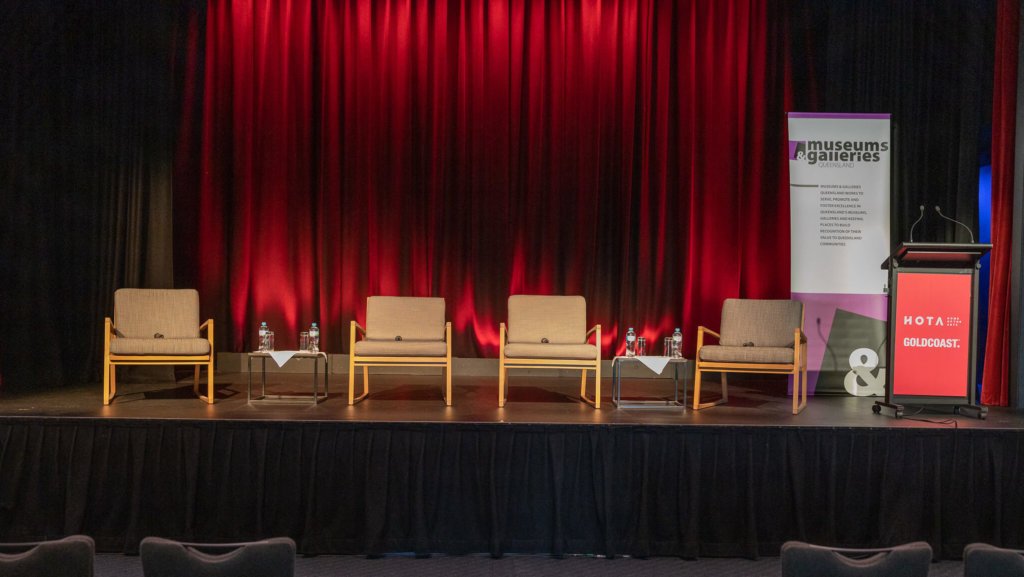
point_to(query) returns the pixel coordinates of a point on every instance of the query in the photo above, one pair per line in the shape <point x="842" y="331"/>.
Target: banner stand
<point x="932" y="319"/>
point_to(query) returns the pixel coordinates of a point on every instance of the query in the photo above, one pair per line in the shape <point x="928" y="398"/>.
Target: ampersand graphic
<point x="862" y="361"/>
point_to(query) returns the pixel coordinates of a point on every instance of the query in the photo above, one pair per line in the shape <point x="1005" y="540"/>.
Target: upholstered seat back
<point x="268" y="558"/>
<point x="760" y="323"/>
<point x="411" y="318"/>
<point x="68" y="557"/>
<point x="806" y="560"/>
<point x="146" y="313"/>
<point x="551" y="319"/>
<point x="984" y="560"/>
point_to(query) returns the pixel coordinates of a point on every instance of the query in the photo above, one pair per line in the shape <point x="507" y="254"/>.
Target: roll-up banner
<point x="839" y="166"/>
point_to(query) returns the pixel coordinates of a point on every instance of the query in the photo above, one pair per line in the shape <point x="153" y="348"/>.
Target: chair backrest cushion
<point x="68" y="557"/>
<point x="268" y="558"/>
<point x="559" y="319"/>
<point x="760" y="323"/>
<point x="806" y="560"/>
<point x="144" y="313"/>
<point x="984" y="560"/>
<point x="412" y="318"/>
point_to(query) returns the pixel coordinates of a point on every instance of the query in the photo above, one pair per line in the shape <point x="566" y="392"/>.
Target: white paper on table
<point x="281" y="357"/>
<point x="656" y="364"/>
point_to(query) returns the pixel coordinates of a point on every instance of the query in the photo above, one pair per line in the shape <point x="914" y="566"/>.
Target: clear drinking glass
<point x="268" y="342"/>
<point x="641" y="346"/>
<point x="304" y="341"/>
<point x="666" y="348"/>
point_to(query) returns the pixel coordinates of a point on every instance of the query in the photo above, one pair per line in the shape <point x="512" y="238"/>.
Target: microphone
<point x="915" y="223"/>
<point x="956" y="221"/>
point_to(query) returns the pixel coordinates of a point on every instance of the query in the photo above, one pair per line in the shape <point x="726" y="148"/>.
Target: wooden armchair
<point x="157" y="327"/>
<point x="757" y="336"/>
<point x="549" y="332"/>
<point x="401" y="331"/>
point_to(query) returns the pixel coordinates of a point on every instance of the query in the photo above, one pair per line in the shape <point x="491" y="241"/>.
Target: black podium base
<point x="890" y="409"/>
<point x="975" y="411"/>
<point x="895" y="410"/>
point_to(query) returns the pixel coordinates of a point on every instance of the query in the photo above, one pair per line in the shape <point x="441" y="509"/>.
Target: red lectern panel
<point x="932" y="348"/>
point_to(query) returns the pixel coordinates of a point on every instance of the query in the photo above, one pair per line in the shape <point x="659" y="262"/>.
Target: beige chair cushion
<point x="412" y="318"/>
<point x="559" y="319"/>
<point x="144" y="313"/>
<point x="760" y="323"/>
<point x="175" y="347"/>
<point x="550" y="351"/>
<point x="722" y="354"/>
<point x="403" y="348"/>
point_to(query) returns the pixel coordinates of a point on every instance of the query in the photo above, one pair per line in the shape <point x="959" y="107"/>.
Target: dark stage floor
<point x="532" y="399"/>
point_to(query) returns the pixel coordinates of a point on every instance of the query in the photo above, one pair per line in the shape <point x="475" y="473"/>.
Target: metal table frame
<point x="316" y="397"/>
<point x="673" y="403"/>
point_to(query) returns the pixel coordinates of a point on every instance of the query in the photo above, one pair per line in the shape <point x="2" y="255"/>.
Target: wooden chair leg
<point x="697" y="405"/>
<point x="597" y="385"/>
<point x="448" y="384"/>
<point x="803" y="402"/>
<point x="583" y="384"/>
<point x="195" y="382"/>
<point x="799" y="390"/>
<point x="696" y="389"/>
<point x="108" y="382"/>
<point x="209" y="381"/>
<point x="501" y="383"/>
<point x="351" y="379"/>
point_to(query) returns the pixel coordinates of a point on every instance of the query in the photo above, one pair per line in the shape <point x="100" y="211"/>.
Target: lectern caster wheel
<point x="876" y="409"/>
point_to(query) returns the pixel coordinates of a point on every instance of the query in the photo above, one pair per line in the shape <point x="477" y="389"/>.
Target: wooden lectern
<point x="933" y="335"/>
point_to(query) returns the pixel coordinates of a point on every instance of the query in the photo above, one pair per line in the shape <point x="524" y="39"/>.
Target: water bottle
<point x="314" y="338"/>
<point x="677" y="344"/>
<point x="263" y="336"/>
<point x="630" y="343"/>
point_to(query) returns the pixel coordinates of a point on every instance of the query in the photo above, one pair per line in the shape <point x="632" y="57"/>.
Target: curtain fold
<point x="473" y="150"/>
<point x="87" y="119"/>
<point x="996" y="380"/>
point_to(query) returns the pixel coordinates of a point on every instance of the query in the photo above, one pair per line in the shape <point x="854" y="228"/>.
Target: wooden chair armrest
<point x="701" y="330"/>
<point x="206" y="325"/>
<point x="800" y="337"/>
<point x="108" y="328"/>
<point x="595" y="329"/>
<point x="357" y="328"/>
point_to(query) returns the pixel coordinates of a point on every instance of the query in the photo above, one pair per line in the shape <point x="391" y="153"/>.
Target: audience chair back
<point x="72" y="556"/>
<point x="167" y="558"/>
<point x="805" y="560"/>
<point x="984" y="560"/>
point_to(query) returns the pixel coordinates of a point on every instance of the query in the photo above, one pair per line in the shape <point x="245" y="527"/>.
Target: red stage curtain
<point x="626" y="151"/>
<point x="996" y="378"/>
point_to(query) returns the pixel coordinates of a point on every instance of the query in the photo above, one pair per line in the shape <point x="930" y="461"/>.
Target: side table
<point x="316" y="397"/>
<point x="650" y="403"/>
